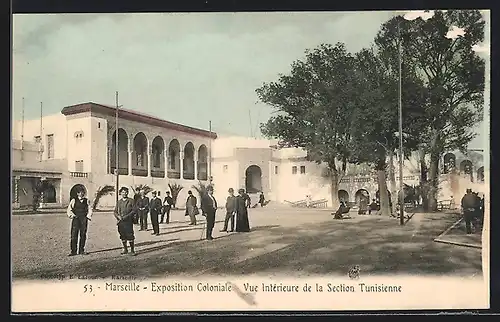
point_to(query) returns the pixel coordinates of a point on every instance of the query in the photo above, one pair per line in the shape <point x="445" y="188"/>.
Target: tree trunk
<point x="334" y="178"/>
<point x="384" y="196"/>
<point x="424" y="184"/>
<point x="392" y="177"/>
<point x="434" y="181"/>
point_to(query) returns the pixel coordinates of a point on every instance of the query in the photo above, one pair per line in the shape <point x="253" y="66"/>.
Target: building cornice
<point x="135" y="117"/>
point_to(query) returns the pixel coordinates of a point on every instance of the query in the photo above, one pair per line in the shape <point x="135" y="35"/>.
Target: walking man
<point x="124" y="214"/>
<point x="80" y="212"/>
<point x="470" y="204"/>
<point x="209" y="207"/>
<point x="167" y="205"/>
<point x="230" y="210"/>
<point x="154" y="211"/>
<point x="191" y="208"/>
<point x="143" y="209"/>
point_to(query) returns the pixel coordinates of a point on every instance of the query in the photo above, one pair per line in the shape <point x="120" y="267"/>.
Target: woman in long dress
<point x="242" y="224"/>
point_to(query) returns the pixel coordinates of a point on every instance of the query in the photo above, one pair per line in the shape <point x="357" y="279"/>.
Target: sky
<point x="188" y="68"/>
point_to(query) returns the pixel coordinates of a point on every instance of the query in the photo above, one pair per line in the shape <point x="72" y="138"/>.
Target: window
<point x="173" y="156"/>
<point x="50" y="146"/>
<point x="294" y="170"/>
<point x="98" y="125"/>
<point x="275" y="169"/>
<point x="224" y="168"/>
<point x="79" y="166"/>
<point x="302" y="169"/>
<point x="38" y="139"/>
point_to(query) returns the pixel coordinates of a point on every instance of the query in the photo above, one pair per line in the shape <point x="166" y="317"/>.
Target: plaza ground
<point x="291" y="241"/>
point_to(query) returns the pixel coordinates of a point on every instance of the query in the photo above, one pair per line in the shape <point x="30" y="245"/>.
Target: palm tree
<point x="175" y="188"/>
<point x="38" y="189"/>
<point x="147" y="189"/>
<point x="201" y="188"/>
<point x="102" y="191"/>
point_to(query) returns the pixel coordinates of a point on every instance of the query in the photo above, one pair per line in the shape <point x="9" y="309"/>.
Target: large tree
<point x="453" y="75"/>
<point x="376" y="121"/>
<point x="314" y="105"/>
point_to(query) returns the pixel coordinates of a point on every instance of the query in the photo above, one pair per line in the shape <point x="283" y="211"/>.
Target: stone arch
<point x="158" y="157"/>
<point x="466" y="168"/>
<point x="480" y="174"/>
<point x="140" y="155"/>
<point x="122" y="152"/>
<point x="174" y="159"/>
<point x="203" y="162"/>
<point x="360" y="195"/>
<point x="449" y="162"/>
<point x="72" y="192"/>
<point x="253" y="179"/>
<point x="343" y="195"/>
<point x="188" y="161"/>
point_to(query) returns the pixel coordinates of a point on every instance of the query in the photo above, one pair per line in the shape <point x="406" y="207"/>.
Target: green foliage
<point x="175" y="188"/>
<point x="450" y="70"/>
<point x="314" y="104"/>
<point x="452" y="75"/>
<point x="102" y="191"/>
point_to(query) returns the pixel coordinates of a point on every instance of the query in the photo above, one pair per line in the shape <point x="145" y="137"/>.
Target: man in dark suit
<point x="154" y="211"/>
<point x="167" y="205"/>
<point x="230" y="210"/>
<point x="209" y="207"/>
<point x="470" y="205"/>
<point x="142" y="205"/>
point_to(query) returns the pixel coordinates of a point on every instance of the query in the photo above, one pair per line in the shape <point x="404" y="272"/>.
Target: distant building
<point x="78" y="147"/>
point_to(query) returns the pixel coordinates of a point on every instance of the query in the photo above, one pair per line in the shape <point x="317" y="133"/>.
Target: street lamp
<point x="412" y="15"/>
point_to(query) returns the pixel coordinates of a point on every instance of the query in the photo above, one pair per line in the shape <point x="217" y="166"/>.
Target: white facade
<point x="77" y="147"/>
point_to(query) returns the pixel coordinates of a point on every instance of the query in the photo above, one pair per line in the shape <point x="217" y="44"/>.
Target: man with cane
<point x="209" y="207"/>
<point x="230" y="211"/>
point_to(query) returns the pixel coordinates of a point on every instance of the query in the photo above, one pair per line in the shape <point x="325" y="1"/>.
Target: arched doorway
<point x="188" y="162"/>
<point x="253" y="179"/>
<point x="140" y="164"/>
<point x="343" y="195"/>
<point x="480" y="174"/>
<point x="466" y="168"/>
<point x="362" y="194"/>
<point x="449" y="161"/>
<point x="202" y="163"/>
<point x="174" y="160"/>
<point x="122" y="152"/>
<point x="72" y="192"/>
<point x="158" y="157"/>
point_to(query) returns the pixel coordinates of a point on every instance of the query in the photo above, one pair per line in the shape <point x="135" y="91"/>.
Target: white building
<point x="77" y="146"/>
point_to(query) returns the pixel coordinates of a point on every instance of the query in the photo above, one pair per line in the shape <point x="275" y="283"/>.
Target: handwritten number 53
<point x="87" y="288"/>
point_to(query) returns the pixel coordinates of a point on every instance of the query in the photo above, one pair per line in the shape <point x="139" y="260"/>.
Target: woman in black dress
<point x="242" y="224"/>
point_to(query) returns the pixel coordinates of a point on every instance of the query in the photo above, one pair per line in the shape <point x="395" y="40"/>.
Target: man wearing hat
<point x="470" y="204"/>
<point x="230" y="210"/>
<point x="154" y="211"/>
<point x="209" y="207"/>
<point x="168" y="202"/>
<point x="124" y="213"/>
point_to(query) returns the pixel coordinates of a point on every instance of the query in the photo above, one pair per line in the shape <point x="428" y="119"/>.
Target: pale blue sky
<point x="187" y="68"/>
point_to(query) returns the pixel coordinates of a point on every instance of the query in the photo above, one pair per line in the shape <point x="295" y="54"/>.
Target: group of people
<point x="472" y="209"/>
<point x="130" y="211"/>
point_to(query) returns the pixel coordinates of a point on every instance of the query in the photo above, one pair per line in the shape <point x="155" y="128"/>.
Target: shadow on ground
<point x="379" y="245"/>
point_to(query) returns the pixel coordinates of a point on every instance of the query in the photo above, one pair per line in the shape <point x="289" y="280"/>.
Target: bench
<point x="444" y="204"/>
